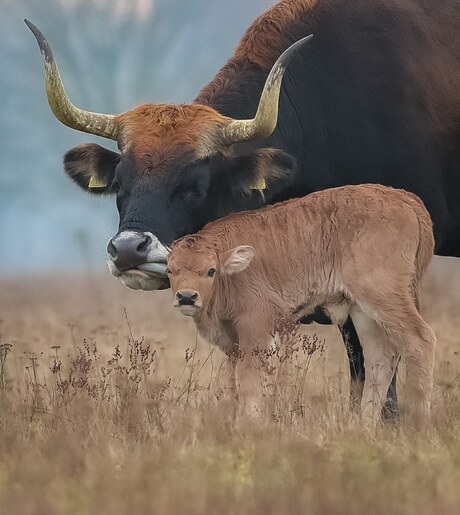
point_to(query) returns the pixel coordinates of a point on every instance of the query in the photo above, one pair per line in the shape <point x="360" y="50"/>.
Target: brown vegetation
<point x="110" y="404"/>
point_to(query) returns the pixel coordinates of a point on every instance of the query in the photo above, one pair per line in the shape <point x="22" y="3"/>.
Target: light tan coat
<point x="358" y="250"/>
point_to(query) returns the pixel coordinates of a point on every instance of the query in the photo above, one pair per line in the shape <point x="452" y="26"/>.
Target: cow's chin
<point x="138" y="280"/>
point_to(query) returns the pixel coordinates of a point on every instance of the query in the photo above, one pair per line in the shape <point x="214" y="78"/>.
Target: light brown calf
<point x="356" y="250"/>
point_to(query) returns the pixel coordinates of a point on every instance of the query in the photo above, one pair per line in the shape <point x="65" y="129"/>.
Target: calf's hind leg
<point x="358" y="372"/>
<point x="380" y="360"/>
<point x="418" y="342"/>
<point x="356" y="362"/>
<point x="403" y="324"/>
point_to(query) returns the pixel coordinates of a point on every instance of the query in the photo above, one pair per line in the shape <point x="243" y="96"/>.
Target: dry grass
<point x="110" y="405"/>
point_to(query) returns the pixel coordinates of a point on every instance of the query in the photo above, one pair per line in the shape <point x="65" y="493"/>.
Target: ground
<point x="110" y="404"/>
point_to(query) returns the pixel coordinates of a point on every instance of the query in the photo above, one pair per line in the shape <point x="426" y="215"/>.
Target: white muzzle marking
<point x="148" y="276"/>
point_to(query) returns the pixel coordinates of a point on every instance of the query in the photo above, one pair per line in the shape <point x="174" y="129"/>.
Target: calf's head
<point x="175" y="169"/>
<point x="193" y="272"/>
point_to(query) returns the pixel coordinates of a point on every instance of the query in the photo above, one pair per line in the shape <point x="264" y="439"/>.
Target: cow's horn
<point x="266" y="117"/>
<point x="94" y="123"/>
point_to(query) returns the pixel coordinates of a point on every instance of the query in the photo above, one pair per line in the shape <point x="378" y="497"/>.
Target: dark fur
<point x="375" y="97"/>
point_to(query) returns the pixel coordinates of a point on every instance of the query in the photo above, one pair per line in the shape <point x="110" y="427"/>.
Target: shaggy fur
<point x="358" y="250"/>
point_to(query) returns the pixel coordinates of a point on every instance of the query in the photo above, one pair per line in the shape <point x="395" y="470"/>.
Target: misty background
<point x="113" y="54"/>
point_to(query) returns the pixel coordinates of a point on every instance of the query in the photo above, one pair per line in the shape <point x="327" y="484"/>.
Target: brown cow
<point x="354" y="250"/>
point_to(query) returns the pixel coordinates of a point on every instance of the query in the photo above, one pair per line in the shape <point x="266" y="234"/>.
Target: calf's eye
<point x="167" y="271"/>
<point x="211" y="272"/>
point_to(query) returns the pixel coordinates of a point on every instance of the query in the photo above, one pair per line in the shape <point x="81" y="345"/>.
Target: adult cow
<point x="375" y="97"/>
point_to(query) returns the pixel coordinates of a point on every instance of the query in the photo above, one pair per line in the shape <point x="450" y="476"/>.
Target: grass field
<point x="109" y="404"/>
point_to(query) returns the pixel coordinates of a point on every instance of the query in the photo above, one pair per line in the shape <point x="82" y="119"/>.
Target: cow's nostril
<point x="144" y="244"/>
<point x="111" y="249"/>
<point x="129" y="249"/>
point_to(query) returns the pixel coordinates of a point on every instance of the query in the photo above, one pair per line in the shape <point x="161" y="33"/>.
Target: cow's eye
<point x="211" y="272"/>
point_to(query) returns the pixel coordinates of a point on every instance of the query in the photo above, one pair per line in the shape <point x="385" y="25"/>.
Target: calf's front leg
<point x="254" y="336"/>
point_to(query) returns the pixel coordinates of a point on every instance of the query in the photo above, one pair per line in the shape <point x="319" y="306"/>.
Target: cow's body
<point x="375" y="97"/>
<point x="357" y="250"/>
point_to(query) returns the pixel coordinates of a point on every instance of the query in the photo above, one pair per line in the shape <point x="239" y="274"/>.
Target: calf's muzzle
<point x="187" y="298"/>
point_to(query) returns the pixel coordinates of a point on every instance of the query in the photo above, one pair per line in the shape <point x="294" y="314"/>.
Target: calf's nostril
<point x="179" y="296"/>
<point x="194" y="296"/>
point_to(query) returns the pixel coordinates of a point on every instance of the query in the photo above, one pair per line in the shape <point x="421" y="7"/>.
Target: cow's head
<point x="193" y="268"/>
<point x="175" y="170"/>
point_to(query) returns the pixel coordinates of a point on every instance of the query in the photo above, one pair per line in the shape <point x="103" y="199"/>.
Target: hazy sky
<point x="113" y="54"/>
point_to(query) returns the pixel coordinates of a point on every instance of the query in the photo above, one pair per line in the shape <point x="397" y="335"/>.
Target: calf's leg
<point x="356" y="363"/>
<point x="254" y="336"/>
<point x="403" y="324"/>
<point x="358" y="374"/>
<point x="380" y="359"/>
<point x="418" y="341"/>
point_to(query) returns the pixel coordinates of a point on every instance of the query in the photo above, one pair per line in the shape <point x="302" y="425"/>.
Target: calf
<point x="355" y="250"/>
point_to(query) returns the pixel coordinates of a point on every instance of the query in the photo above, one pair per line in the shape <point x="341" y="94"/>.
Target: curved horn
<point x="93" y="123"/>
<point x="266" y="117"/>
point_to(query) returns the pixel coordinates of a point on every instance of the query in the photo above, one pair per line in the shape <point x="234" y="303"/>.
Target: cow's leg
<point x="354" y="351"/>
<point x="380" y="358"/>
<point x="355" y="360"/>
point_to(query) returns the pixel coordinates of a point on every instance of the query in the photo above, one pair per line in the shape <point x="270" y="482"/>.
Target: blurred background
<point x="113" y="54"/>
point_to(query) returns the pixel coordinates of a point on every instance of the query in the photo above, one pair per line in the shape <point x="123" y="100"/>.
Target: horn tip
<point x="42" y="43"/>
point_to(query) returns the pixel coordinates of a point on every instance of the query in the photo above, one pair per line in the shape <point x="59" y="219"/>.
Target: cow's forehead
<point x="159" y="131"/>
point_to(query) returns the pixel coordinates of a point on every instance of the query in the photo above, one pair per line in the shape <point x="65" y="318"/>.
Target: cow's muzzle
<point x="138" y="259"/>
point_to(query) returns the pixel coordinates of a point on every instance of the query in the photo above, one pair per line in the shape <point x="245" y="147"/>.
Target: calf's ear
<point x="92" y="167"/>
<point x="236" y="260"/>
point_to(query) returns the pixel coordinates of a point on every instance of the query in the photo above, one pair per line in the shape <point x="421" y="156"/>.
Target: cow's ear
<point x="262" y="167"/>
<point x="236" y="260"/>
<point x="92" y="167"/>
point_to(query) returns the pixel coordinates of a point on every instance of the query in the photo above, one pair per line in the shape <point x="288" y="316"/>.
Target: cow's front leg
<point x="355" y="361"/>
